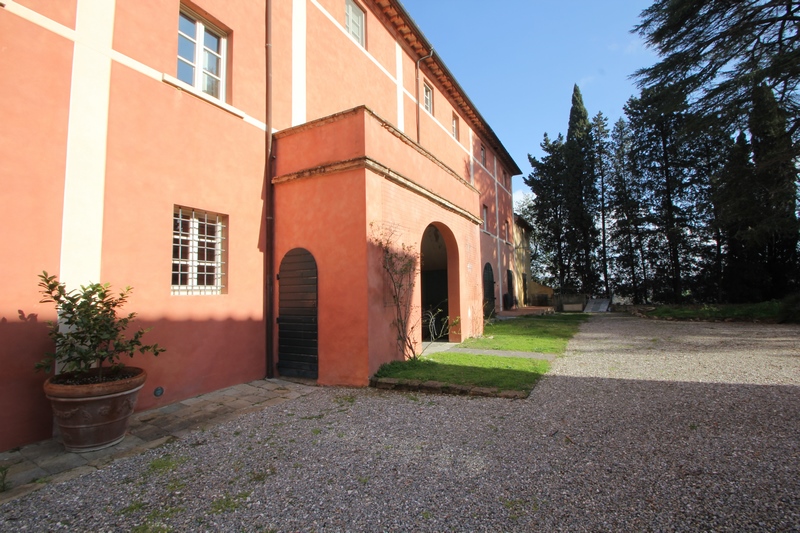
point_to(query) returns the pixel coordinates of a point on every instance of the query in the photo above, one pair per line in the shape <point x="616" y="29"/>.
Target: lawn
<point x="544" y="334"/>
<point x="764" y="311"/>
<point x="504" y="373"/>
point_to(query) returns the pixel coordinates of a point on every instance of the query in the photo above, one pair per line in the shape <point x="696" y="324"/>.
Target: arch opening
<point x="439" y="283"/>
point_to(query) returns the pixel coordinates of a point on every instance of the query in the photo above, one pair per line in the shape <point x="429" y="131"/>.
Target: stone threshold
<point x="437" y="387"/>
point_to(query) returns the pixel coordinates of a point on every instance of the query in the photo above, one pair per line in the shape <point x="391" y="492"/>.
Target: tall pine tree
<point x="602" y="166"/>
<point x="628" y="230"/>
<point x="549" y="210"/>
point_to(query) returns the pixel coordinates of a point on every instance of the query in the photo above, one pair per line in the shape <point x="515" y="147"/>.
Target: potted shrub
<point x="94" y="393"/>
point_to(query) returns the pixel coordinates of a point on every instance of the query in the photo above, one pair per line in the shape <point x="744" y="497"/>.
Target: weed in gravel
<point x="151" y="528"/>
<point x="175" y="484"/>
<point x="348" y="398"/>
<point x="162" y="465"/>
<point x="167" y="512"/>
<point x="257" y="477"/>
<point x="132" y="508"/>
<point x="316" y="431"/>
<point x="228" y="503"/>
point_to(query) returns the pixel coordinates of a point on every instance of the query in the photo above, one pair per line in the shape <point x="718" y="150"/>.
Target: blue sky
<point x="519" y="59"/>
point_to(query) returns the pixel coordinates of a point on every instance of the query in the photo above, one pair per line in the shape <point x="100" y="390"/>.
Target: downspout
<point x="269" y="207"/>
<point x="420" y="60"/>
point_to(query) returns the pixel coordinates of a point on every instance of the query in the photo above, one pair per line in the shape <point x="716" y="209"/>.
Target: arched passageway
<point x="439" y="280"/>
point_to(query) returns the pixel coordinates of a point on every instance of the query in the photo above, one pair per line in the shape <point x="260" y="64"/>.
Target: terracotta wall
<point x="34" y="108"/>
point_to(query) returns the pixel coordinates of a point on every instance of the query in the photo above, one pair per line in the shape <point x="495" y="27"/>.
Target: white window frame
<point x="486" y="218"/>
<point x="483" y="155"/>
<point x="202" y="26"/>
<point x="427" y="97"/>
<point x="191" y="248"/>
<point x="355" y="22"/>
<point x="455" y="131"/>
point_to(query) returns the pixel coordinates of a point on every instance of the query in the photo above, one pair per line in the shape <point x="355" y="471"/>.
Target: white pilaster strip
<point x="298" y="62"/>
<point x="401" y="115"/>
<point x="471" y="159"/>
<point x="84" y="180"/>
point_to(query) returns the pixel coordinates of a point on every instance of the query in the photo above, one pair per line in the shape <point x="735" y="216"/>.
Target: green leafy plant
<point x="89" y="333"/>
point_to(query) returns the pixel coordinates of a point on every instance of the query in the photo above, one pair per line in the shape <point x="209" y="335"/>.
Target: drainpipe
<point x="420" y="60"/>
<point x="269" y="207"/>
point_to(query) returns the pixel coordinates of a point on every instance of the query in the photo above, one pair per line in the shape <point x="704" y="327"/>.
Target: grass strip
<point x="543" y="334"/>
<point x="504" y="373"/>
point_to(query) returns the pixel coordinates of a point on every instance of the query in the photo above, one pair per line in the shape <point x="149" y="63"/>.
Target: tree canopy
<point x="716" y="51"/>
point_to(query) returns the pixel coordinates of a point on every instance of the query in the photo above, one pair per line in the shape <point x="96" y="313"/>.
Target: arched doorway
<point x="439" y="283"/>
<point x="488" y="291"/>
<point x="297" y="315"/>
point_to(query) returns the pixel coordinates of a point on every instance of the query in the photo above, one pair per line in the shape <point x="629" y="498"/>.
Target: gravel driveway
<point x="642" y="426"/>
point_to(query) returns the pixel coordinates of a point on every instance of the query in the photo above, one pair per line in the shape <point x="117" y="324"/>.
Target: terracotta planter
<point x="95" y="416"/>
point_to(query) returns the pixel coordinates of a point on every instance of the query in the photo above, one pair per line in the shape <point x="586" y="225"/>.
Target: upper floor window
<point x="485" y="218"/>
<point x="354" y="21"/>
<point x="505" y="231"/>
<point x="427" y="98"/>
<point x="506" y="181"/>
<point x="455" y="126"/>
<point x="198" y="265"/>
<point x="201" y="55"/>
<point x="483" y="155"/>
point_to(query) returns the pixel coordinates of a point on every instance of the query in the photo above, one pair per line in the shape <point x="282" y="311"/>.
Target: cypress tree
<point x="581" y="193"/>
<point x="775" y="174"/>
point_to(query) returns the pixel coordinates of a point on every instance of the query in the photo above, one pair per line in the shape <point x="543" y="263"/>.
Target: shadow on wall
<point x="202" y="356"/>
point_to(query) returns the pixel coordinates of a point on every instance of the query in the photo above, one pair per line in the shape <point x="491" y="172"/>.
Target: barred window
<point x="198" y="254"/>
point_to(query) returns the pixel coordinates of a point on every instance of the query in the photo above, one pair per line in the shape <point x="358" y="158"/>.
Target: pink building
<point x="246" y="152"/>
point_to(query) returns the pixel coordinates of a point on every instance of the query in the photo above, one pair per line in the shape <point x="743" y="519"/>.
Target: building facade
<point x="247" y="152"/>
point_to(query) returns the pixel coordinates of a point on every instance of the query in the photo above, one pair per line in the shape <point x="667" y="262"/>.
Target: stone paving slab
<point x="32" y="467"/>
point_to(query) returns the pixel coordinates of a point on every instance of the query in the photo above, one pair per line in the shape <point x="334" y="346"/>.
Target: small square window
<point x="483" y="155"/>
<point x="455" y="126"/>
<point x="201" y="55"/>
<point x="354" y="21"/>
<point x="427" y="98"/>
<point x="198" y="265"/>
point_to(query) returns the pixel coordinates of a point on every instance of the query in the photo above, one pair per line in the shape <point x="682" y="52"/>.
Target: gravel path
<point x="642" y="426"/>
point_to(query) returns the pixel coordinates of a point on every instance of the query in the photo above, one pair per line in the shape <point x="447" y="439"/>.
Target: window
<point x="201" y="55"/>
<point x="197" y="252"/>
<point x="427" y="98"/>
<point x="505" y="231"/>
<point x="483" y="155"/>
<point x="485" y="218"/>
<point x="354" y="21"/>
<point x="455" y="126"/>
<point x="506" y="183"/>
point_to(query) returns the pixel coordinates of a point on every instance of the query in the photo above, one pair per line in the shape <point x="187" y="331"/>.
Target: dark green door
<point x="297" y="315"/>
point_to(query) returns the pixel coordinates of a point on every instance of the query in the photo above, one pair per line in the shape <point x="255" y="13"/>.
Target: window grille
<point x="198" y="265"/>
